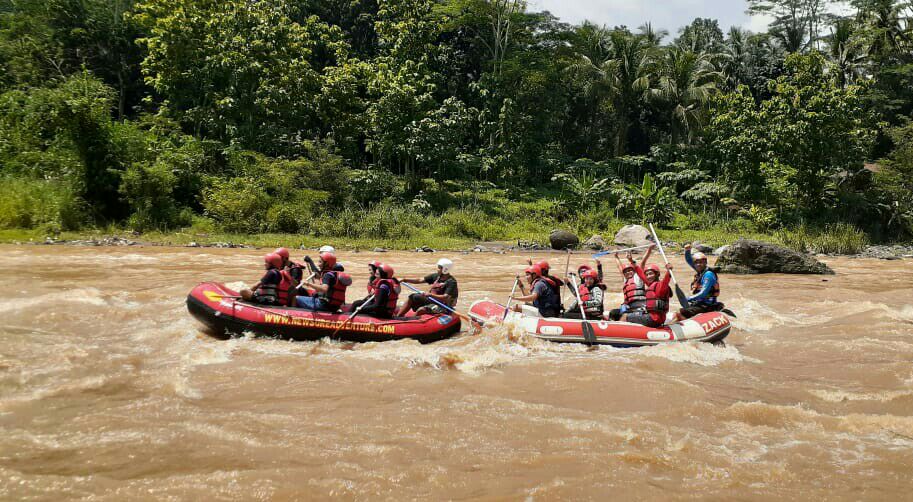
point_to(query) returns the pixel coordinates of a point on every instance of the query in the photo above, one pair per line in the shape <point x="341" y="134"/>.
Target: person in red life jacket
<point x="275" y="287"/>
<point x="543" y="294"/>
<point x="633" y="287"/>
<point x="658" y="295"/>
<point x="444" y="289"/>
<point x="330" y="293"/>
<point x="373" y="271"/>
<point x="591" y="294"/>
<point x="545" y="268"/>
<point x="296" y="270"/>
<point x="386" y="293"/>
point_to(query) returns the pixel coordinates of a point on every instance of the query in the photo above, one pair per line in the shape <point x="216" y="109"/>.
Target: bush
<point x="236" y="204"/>
<point x="28" y="203"/>
<point x="841" y="238"/>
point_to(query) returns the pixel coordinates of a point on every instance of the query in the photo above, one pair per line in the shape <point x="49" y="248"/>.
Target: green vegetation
<point x="403" y="123"/>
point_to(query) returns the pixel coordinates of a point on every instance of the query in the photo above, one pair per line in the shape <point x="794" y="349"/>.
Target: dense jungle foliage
<point x="369" y="118"/>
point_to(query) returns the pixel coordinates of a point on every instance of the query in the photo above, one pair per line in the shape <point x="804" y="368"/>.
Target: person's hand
<point x="598" y="262"/>
<point x="629" y="256"/>
<point x="687" y="247"/>
<point x="529" y="260"/>
<point x="668" y="266"/>
<point x="652" y="247"/>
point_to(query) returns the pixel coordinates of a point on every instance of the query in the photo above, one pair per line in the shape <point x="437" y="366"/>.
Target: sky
<point x="663" y="14"/>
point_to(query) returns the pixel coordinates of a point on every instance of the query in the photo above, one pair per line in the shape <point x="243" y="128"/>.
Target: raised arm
<point x="688" y="259"/>
<point x="643" y="262"/>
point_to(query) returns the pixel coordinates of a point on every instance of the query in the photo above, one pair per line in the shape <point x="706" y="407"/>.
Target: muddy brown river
<point x="108" y="391"/>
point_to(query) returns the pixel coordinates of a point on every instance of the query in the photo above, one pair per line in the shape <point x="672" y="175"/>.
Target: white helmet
<point x="699" y="256"/>
<point x="327" y="249"/>
<point x="445" y="264"/>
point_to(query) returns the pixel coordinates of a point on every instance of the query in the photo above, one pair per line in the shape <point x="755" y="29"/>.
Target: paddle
<point x="606" y="253"/>
<point x="443" y="306"/>
<point x="567" y="268"/>
<point x="682" y="297"/>
<point x="510" y="298"/>
<point x="588" y="334"/>
<point x="355" y="313"/>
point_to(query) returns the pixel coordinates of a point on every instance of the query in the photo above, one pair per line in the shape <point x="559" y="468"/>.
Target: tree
<point x="701" y="36"/>
<point x="239" y="71"/>
<point x="843" y="49"/>
<point x="796" y="23"/>
<point x="684" y="82"/>
<point x="621" y="79"/>
<point x="794" y="143"/>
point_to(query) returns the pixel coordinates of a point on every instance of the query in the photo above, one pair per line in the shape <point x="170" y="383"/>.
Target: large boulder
<point x="756" y="257"/>
<point x="703" y="248"/>
<point x="633" y="235"/>
<point x="596" y="243"/>
<point x="563" y="239"/>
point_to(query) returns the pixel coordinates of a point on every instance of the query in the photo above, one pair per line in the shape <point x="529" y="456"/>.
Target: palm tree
<point x="685" y="82"/>
<point x="653" y="37"/>
<point x="619" y="81"/>
<point x="888" y="26"/>
<point x="842" y="49"/>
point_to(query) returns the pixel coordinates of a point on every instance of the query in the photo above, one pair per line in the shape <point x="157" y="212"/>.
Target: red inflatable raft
<point x="710" y="327"/>
<point x="220" y="309"/>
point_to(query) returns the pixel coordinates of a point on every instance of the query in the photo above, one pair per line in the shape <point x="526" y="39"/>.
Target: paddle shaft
<point x="510" y="298"/>
<point x="678" y="292"/>
<point x="606" y="253"/>
<point x="440" y="304"/>
<point x="355" y="313"/>
<point x="588" y="334"/>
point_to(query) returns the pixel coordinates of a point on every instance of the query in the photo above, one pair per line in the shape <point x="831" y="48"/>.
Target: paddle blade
<point x="682" y="297"/>
<point x="729" y="313"/>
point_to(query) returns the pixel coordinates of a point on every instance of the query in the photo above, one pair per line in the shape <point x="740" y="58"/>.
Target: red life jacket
<point x="284" y="287"/>
<point x="336" y="295"/>
<point x="655" y="303"/>
<point x="635" y="292"/>
<point x="696" y="284"/>
<point x="584" y="292"/>
<point x="392" y="298"/>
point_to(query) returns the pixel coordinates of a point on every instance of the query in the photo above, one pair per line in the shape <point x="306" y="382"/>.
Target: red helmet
<point x="583" y="268"/>
<point x="282" y="252"/>
<point x="590" y="274"/>
<point x="653" y="268"/>
<point x="543" y="267"/>
<point x="387" y="270"/>
<point x="273" y="260"/>
<point x="374" y="264"/>
<point x="536" y="270"/>
<point x="329" y="260"/>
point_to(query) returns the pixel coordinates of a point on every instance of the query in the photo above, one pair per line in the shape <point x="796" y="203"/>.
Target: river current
<point x="109" y="391"/>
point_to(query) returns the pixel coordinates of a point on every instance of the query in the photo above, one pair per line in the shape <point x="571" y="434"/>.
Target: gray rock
<point x="720" y="250"/>
<point x="596" y="243"/>
<point x="756" y="257"/>
<point x="193" y="245"/>
<point x="633" y="235"/>
<point x="380" y="250"/>
<point x="703" y="248"/>
<point x="563" y="239"/>
<point x="479" y="249"/>
<point x="424" y="249"/>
